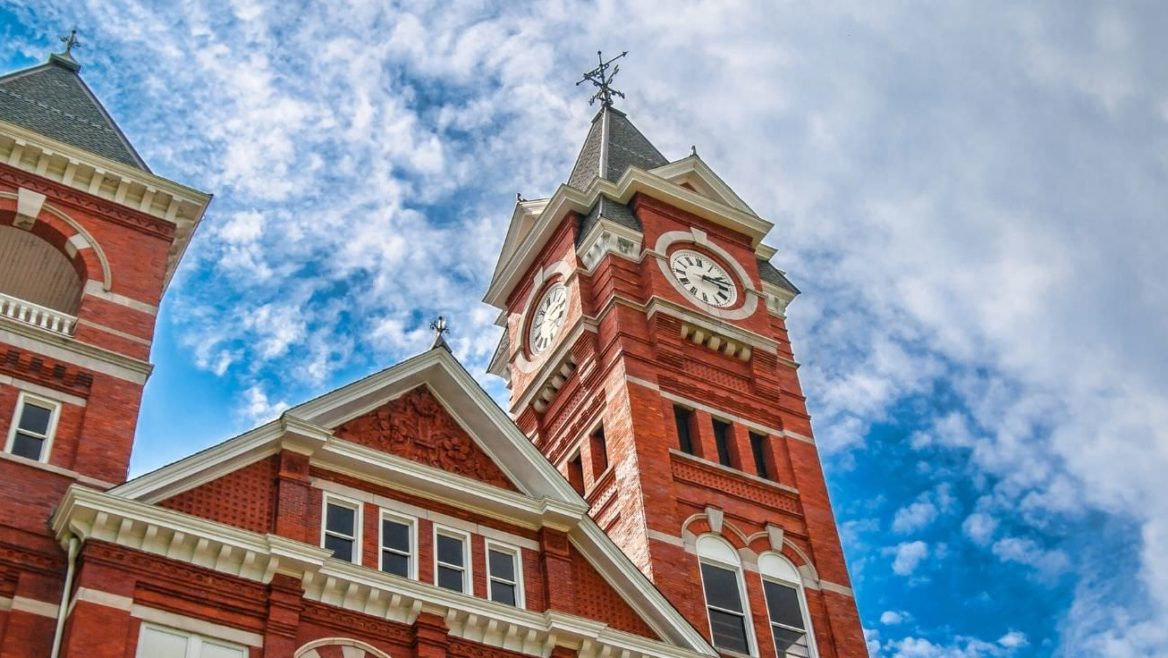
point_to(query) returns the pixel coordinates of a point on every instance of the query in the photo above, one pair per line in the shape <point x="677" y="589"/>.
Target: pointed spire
<point x="53" y="100"/>
<point x="613" y="144"/>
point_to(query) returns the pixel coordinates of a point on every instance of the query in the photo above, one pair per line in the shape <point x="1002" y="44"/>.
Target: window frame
<point x="358" y="522"/>
<point x="740" y="580"/>
<point x="467" y="557"/>
<point x="411" y="555"/>
<point x="516" y="554"/>
<point x="800" y="594"/>
<point x="195" y="641"/>
<point x="54" y="407"/>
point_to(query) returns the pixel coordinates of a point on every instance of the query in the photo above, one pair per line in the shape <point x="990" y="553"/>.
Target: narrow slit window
<point x="576" y="474"/>
<point x="683" y="418"/>
<point x="722" y="441"/>
<point x="451" y="556"/>
<point x="503" y="576"/>
<point x="397" y="546"/>
<point x="341" y="527"/>
<point x="598" y="446"/>
<point x="32" y="428"/>
<point x="758" y="444"/>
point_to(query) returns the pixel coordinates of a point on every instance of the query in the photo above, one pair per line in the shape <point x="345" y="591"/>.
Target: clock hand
<point x="721" y="283"/>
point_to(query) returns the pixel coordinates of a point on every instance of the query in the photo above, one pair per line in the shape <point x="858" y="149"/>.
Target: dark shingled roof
<point x="611" y="210"/>
<point x="613" y="145"/>
<point x="771" y="274"/>
<point x="51" y="99"/>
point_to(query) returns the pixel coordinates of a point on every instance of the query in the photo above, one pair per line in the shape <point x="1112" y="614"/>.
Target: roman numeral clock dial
<point x="703" y="278"/>
<point x="549" y="318"/>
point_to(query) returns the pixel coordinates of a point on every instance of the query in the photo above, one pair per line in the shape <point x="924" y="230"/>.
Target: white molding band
<point x="34" y="607"/>
<point x="52" y="468"/>
<point x="98" y="597"/>
<point x="95" y="289"/>
<point x="87" y="356"/>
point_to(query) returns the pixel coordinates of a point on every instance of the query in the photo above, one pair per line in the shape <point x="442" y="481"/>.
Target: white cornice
<point x="92" y="357"/>
<point x="116" y="182"/>
<point x="89" y="514"/>
<point x="517" y="256"/>
<point x="693" y="167"/>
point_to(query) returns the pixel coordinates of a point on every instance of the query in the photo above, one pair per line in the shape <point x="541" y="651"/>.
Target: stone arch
<point x="339" y="647"/>
<point x="702" y="523"/>
<point x="67" y="236"/>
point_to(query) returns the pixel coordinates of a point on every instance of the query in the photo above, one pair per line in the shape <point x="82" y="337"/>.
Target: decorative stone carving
<point x="417" y="427"/>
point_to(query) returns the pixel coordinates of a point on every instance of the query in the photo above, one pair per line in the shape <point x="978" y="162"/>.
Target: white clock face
<point x="550" y="314"/>
<point x="703" y="278"/>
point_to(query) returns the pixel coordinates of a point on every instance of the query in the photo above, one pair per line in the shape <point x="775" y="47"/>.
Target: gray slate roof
<point x="613" y="211"/>
<point x="51" y="99"/>
<point x="613" y="145"/>
<point x="771" y="274"/>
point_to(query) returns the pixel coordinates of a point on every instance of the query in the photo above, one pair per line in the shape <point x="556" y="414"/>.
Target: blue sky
<point x="971" y="196"/>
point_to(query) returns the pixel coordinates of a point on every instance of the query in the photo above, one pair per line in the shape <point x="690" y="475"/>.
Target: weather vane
<point x="601" y="78"/>
<point x="70" y="42"/>
<point x="438" y="326"/>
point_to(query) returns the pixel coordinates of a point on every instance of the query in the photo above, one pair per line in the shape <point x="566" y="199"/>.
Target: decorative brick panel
<point x="243" y="498"/>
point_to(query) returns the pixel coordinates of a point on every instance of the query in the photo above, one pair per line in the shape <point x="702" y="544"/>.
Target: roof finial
<point x="71" y="42"/>
<point x="601" y="78"/>
<point x="438" y="326"/>
<point x="693" y="150"/>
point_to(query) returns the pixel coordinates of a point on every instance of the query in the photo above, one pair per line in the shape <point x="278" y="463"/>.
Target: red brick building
<point x="655" y="491"/>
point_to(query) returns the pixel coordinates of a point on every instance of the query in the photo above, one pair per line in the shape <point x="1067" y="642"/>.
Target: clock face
<point x="703" y="278"/>
<point x="550" y="314"/>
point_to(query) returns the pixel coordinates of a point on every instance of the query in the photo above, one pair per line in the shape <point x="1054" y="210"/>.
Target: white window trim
<point x="467" y="556"/>
<point x="812" y="650"/>
<point x="517" y="554"/>
<point x="413" y="533"/>
<point x="195" y="641"/>
<point x="747" y="618"/>
<point x="330" y="498"/>
<point x="54" y="416"/>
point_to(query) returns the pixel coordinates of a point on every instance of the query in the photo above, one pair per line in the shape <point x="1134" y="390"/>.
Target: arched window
<point x="786" y="607"/>
<point x="725" y="593"/>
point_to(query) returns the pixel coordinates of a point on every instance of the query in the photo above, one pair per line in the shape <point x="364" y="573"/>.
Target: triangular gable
<point x="416" y="426"/>
<point x="544" y="498"/>
<point x="694" y="174"/>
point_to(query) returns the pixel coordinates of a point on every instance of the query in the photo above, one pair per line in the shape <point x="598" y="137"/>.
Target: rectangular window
<point x="758" y="447"/>
<point x="683" y="418"/>
<point x="452" y="560"/>
<point x="504" y="575"/>
<point x="33" y="426"/>
<point x="598" y="448"/>
<point x="724" y="604"/>
<point x="786" y="615"/>
<point x="576" y="474"/>
<point x="722" y="441"/>
<point x="397" y="546"/>
<point x="159" y="642"/>
<point x="341" y="528"/>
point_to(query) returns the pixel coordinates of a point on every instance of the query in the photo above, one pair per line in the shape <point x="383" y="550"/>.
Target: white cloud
<point x="980" y="527"/>
<point x="914" y="517"/>
<point x="1026" y="551"/>
<point x="909" y="556"/>
<point x="892" y="617"/>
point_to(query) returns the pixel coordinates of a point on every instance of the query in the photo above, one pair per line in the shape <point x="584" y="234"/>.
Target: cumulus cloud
<point x="908" y="557"/>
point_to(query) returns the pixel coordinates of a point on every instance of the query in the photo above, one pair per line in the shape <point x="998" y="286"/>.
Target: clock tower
<point x="647" y="355"/>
